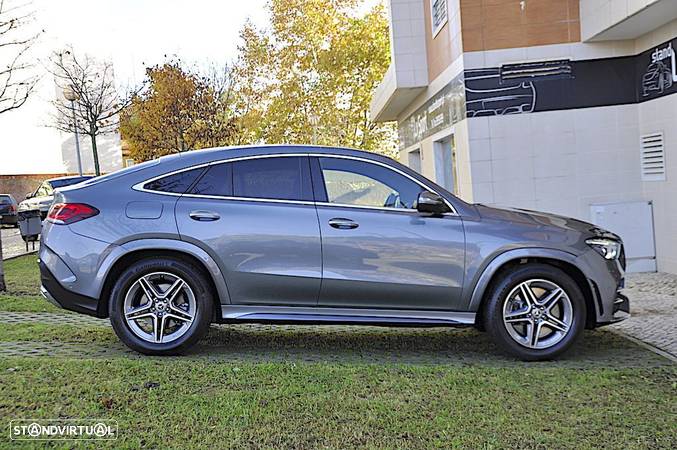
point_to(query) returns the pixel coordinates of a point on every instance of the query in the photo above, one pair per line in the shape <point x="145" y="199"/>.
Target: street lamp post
<point x="72" y="96"/>
<point x="314" y="120"/>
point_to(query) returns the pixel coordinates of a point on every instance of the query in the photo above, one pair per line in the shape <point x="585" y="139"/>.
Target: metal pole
<point x="77" y="139"/>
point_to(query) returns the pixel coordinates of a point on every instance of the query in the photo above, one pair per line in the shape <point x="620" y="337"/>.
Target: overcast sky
<point x="133" y="34"/>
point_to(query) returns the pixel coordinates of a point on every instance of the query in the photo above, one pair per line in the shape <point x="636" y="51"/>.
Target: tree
<point x="97" y="106"/>
<point x="319" y="59"/>
<point x="179" y="111"/>
<point x="17" y="78"/>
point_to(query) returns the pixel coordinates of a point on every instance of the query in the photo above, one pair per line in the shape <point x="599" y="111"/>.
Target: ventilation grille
<point x="653" y="157"/>
<point x="543" y="70"/>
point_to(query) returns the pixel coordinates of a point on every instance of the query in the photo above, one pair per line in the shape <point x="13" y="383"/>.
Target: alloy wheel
<point x="537" y="314"/>
<point x="159" y="307"/>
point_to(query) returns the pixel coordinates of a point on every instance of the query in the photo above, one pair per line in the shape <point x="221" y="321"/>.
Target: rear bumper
<point x="8" y="219"/>
<point x="56" y="294"/>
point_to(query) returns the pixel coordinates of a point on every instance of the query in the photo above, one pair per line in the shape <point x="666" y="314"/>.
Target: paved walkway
<point x="12" y="244"/>
<point x="653" y="308"/>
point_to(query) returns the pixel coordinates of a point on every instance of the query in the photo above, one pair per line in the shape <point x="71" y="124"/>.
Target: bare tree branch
<point x="97" y="104"/>
<point x="17" y="78"/>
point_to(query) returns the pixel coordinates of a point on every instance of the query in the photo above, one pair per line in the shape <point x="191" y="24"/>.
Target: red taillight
<point x="67" y="213"/>
<point x="12" y="208"/>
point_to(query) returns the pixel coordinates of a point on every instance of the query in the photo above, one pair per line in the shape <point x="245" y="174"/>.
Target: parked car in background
<point x="300" y="234"/>
<point x="8" y="210"/>
<point x="42" y="198"/>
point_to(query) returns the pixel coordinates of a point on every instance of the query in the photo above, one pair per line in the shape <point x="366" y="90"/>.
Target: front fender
<point x="483" y="277"/>
<point x="164" y="245"/>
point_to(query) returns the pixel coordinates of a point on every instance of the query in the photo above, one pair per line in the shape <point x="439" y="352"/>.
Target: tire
<point x="185" y="312"/>
<point x="508" y="317"/>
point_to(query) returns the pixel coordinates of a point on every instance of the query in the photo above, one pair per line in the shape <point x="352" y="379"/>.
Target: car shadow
<point x="379" y="345"/>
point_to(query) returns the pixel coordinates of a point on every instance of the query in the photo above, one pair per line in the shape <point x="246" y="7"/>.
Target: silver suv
<point x="295" y="234"/>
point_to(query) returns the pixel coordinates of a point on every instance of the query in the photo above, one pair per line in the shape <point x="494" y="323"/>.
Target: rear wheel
<point x="535" y="312"/>
<point x="161" y="306"/>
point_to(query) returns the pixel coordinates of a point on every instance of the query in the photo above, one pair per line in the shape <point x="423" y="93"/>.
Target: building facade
<point x="563" y="106"/>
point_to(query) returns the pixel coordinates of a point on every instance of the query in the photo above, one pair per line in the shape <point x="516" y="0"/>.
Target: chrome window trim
<point x="140" y="186"/>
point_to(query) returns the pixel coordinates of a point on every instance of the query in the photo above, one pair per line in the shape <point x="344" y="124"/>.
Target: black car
<point x="8" y="210"/>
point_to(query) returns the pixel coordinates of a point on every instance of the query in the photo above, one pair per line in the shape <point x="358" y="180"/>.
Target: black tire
<point x="195" y="279"/>
<point x="497" y="296"/>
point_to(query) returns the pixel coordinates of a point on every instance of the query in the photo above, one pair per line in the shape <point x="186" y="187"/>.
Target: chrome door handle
<point x="204" y="216"/>
<point x="343" y="224"/>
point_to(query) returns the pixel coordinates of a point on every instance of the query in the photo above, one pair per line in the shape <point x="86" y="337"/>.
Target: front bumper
<point x="59" y="296"/>
<point x="606" y="280"/>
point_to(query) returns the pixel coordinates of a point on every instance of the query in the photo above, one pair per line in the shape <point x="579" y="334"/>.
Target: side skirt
<point x="358" y="316"/>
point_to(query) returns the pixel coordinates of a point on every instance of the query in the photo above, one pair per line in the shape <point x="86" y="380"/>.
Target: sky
<point x="133" y="34"/>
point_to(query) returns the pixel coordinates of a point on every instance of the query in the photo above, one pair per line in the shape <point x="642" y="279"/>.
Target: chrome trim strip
<point x="235" y="312"/>
<point x="139" y="186"/>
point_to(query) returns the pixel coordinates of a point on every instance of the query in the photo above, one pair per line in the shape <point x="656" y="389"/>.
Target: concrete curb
<point x="646" y="345"/>
<point x="19" y="256"/>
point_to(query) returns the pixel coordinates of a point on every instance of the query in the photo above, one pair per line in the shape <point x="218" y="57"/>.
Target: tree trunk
<point x="2" y="269"/>
<point x="95" y="153"/>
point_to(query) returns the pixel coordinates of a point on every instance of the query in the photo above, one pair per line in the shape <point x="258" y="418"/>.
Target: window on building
<point x="359" y="183"/>
<point x="438" y="11"/>
<point x="177" y="183"/>
<point x="277" y="178"/>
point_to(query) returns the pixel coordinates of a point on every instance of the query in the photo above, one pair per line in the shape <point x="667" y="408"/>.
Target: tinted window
<point x="218" y="180"/>
<point x="68" y="181"/>
<point x="351" y="182"/>
<point x="4" y="200"/>
<point x="177" y="183"/>
<point x="281" y="178"/>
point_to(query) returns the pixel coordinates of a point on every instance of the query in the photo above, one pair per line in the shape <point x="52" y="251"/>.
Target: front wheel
<point x="161" y="306"/>
<point x="535" y="312"/>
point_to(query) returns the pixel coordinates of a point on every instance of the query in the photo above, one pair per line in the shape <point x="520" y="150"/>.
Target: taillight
<point x="12" y="208"/>
<point x="67" y="213"/>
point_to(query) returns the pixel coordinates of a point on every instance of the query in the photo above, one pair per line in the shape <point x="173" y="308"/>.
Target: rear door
<point x="256" y="217"/>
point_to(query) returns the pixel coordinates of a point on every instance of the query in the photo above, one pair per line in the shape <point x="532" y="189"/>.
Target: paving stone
<point x="653" y="309"/>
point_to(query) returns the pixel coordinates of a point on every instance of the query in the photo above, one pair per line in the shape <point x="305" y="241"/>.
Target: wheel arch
<point x="134" y="251"/>
<point x="563" y="260"/>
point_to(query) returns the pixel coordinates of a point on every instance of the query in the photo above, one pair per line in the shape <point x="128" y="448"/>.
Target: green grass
<point x="202" y="404"/>
<point x="23" y="287"/>
<point x="268" y="402"/>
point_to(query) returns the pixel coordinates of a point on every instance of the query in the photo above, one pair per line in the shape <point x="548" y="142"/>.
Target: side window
<point x="177" y="183"/>
<point x="359" y="183"/>
<point x="45" y="190"/>
<point x="218" y="180"/>
<point x="278" y="178"/>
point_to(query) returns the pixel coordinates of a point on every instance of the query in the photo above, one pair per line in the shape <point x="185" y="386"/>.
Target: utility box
<point x="30" y="226"/>
<point x="633" y="222"/>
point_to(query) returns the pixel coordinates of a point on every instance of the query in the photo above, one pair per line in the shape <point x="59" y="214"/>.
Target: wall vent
<point x="653" y="157"/>
<point x="534" y="71"/>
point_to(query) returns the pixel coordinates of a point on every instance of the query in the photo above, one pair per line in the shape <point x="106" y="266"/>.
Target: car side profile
<point x="304" y="234"/>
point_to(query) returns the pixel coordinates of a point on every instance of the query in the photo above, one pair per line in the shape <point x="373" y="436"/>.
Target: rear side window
<point x="177" y="183"/>
<point x="277" y="178"/>
<point x="218" y="180"/>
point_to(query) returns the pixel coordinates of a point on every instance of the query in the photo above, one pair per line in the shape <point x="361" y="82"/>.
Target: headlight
<point x="609" y="249"/>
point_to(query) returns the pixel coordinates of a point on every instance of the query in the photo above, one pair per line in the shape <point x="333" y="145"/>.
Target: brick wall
<point x="20" y="185"/>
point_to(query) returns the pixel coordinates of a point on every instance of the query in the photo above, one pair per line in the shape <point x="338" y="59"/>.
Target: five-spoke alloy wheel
<point x="161" y="306"/>
<point x="534" y="311"/>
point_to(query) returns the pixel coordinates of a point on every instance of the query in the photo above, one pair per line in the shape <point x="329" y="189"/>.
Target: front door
<point x="257" y="219"/>
<point x="378" y="251"/>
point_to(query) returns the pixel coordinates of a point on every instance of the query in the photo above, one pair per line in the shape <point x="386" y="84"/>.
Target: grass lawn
<point x="202" y="402"/>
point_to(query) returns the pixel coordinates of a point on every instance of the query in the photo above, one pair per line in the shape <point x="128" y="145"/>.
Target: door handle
<point x="343" y="224"/>
<point x="204" y="216"/>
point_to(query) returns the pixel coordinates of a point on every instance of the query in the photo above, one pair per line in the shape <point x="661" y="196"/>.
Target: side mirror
<point x="431" y="203"/>
<point x="29" y="195"/>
